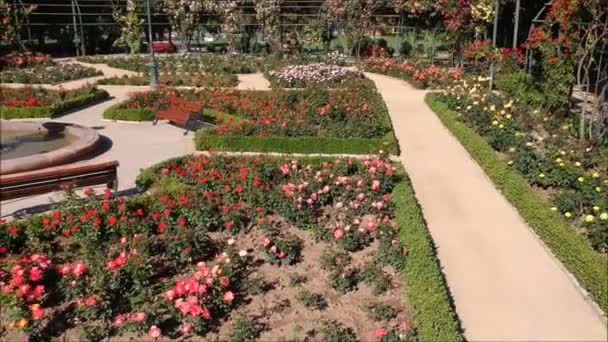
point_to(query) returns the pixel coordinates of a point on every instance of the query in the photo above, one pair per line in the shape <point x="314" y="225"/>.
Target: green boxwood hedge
<point x="206" y="139"/>
<point x="7" y="112"/>
<point x="425" y="286"/>
<point x="574" y="251"/>
<point x="116" y="112"/>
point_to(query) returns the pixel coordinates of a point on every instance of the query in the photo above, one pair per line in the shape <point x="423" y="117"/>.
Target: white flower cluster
<point x="314" y="73"/>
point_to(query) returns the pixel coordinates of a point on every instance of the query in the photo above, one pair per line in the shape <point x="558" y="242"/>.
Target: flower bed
<point x="177" y="79"/>
<point x="277" y="240"/>
<point x="22" y="60"/>
<point x="533" y="172"/>
<point x="350" y="120"/>
<point x="47" y="74"/>
<point x="419" y="75"/>
<point x="29" y="102"/>
<point x="213" y="63"/>
<point x="329" y="75"/>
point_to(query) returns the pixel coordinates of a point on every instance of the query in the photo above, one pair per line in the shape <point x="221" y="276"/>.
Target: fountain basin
<point x="26" y="146"/>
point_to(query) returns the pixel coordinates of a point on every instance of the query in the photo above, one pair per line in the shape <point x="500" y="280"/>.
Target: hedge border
<point x="573" y="250"/>
<point x="425" y="287"/>
<point x="115" y="112"/>
<point x="54" y="109"/>
<point x="206" y="139"/>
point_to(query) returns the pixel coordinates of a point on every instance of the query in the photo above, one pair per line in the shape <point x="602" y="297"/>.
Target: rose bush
<point x="301" y="76"/>
<point x="544" y="149"/>
<point x="47" y="74"/>
<point x="150" y="265"/>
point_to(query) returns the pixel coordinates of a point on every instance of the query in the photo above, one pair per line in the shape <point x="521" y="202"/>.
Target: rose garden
<point x="338" y="170"/>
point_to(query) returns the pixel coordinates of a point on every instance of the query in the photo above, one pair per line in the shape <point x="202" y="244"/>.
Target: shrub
<point x="50" y="103"/>
<point x="381" y="312"/>
<point x="312" y="300"/>
<point x="521" y="85"/>
<point x="244" y="329"/>
<point x="333" y="331"/>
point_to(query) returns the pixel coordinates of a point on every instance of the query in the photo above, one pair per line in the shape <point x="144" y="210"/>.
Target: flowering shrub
<point x="150" y="265"/>
<point x="47" y="74"/>
<point x="22" y="60"/>
<point x="40" y="97"/>
<point x="301" y="76"/>
<point x="173" y="79"/>
<point x="344" y="113"/>
<point x="549" y="157"/>
<point x="418" y="74"/>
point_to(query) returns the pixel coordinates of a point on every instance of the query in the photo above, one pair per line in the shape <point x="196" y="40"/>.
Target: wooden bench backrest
<point x="35" y="183"/>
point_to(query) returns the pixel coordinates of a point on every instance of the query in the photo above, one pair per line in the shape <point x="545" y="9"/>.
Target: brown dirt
<point x="283" y="316"/>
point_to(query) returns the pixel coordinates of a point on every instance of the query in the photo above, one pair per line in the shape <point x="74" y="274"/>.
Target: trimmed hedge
<point x="206" y="139"/>
<point x="425" y="286"/>
<point x="115" y="112"/>
<point x="574" y="251"/>
<point x="55" y="109"/>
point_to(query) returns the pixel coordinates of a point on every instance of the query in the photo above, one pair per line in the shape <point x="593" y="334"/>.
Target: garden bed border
<point x="572" y="250"/>
<point x="55" y="109"/>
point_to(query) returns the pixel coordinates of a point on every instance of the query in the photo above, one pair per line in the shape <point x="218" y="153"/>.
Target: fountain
<point x="27" y="146"/>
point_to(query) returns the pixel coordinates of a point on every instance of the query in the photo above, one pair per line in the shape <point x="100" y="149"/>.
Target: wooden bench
<point x="30" y="183"/>
<point x="182" y="114"/>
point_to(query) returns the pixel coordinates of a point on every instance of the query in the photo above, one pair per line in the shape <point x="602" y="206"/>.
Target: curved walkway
<point x="506" y="286"/>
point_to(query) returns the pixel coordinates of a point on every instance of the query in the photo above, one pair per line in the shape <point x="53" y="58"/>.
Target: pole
<point x="516" y="23"/>
<point x="494" y="33"/>
<point x="76" y="39"/>
<point x="153" y="66"/>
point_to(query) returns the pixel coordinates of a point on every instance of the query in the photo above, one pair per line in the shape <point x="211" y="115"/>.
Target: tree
<point x="131" y="26"/>
<point x="184" y="16"/>
<point x="268" y="14"/>
<point x="353" y="16"/>
<point x="11" y="17"/>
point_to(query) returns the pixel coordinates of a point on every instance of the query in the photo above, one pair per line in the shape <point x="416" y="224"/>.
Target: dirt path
<point x="506" y="285"/>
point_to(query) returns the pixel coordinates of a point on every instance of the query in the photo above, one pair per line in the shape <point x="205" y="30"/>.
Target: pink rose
<point x="186" y="328"/>
<point x="379" y="333"/>
<point x="338" y="233"/>
<point x="154" y="331"/>
<point x="228" y="297"/>
<point x="138" y="317"/>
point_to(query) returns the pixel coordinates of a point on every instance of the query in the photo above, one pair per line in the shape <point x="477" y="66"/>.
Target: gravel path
<point x="506" y="285"/>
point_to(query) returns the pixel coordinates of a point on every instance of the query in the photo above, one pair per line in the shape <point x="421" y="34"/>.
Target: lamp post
<point x="153" y="66"/>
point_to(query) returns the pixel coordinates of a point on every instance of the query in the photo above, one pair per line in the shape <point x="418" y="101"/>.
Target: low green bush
<point x="572" y="249"/>
<point x="520" y="85"/>
<point x="427" y="292"/>
<point x="7" y="112"/>
<point x="116" y="112"/>
<point x="207" y="139"/>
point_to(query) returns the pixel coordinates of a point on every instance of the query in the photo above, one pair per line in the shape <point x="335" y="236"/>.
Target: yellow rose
<point x="595" y="175"/>
<point x="589" y="218"/>
<point x="596" y="208"/>
<point x="580" y="179"/>
<point x="567" y="214"/>
<point x="604" y="216"/>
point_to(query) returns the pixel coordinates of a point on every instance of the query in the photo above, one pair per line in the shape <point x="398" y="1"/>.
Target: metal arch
<point x="27" y="21"/>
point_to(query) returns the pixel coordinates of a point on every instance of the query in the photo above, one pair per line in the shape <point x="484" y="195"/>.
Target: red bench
<point x="182" y="114"/>
<point x="30" y="183"/>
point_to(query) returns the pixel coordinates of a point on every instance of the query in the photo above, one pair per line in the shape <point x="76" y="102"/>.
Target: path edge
<point x="585" y="267"/>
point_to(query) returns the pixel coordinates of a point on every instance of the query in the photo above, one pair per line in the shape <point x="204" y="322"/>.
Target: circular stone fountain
<point x="26" y="146"/>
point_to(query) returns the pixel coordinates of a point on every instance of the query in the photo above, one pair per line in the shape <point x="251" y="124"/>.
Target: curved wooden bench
<point x="47" y="180"/>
